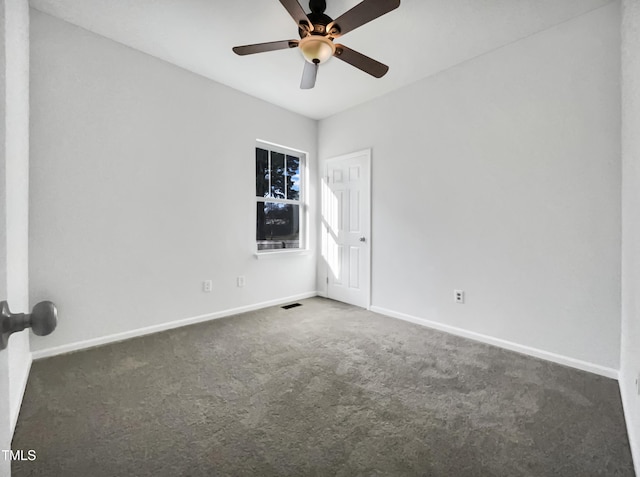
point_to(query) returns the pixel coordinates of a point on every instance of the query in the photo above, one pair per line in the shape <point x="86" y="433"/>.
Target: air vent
<point x="293" y="305"/>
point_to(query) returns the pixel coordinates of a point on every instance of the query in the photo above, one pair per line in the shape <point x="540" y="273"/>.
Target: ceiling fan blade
<point x="309" y="75"/>
<point x="362" y="13"/>
<point x="360" y="61"/>
<point x="297" y="12"/>
<point x="262" y="47"/>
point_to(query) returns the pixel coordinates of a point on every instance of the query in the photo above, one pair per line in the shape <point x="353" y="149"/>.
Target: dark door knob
<point x="43" y="319"/>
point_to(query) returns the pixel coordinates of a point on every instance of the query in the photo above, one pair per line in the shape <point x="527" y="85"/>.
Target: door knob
<point x="43" y="319"/>
<point x="362" y="239"/>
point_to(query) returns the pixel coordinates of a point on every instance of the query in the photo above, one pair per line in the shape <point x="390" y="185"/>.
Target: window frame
<point x="301" y="202"/>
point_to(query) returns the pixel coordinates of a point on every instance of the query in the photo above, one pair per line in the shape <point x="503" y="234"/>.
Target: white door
<point x="346" y="218"/>
<point x="5" y="420"/>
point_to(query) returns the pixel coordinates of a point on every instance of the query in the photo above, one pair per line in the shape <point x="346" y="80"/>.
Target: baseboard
<point x="538" y="353"/>
<point x="103" y="340"/>
<point x="633" y="432"/>
<point x="23" y="388"/>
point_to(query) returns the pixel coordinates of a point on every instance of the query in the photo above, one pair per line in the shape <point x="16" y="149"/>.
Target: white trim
<point x="23" y="388"/>
<point x="632" y="432"/>
<point x="103" y="340"/>
<point x="523" y="349"/>
<point x="280" y="201"/>
<point x="280" y="252"/>
<point x="302" y="201"/>
<point x="280" y="148"/>
<point x="351" y="155"/>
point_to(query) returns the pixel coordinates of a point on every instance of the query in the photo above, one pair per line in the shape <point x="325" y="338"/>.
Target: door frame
<point x="367" y="281"/>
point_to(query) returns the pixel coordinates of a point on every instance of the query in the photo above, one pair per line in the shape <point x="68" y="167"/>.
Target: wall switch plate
<point x="207" y="286"/>
<point x="458" y="296"/>
<point x="241" y="281"/>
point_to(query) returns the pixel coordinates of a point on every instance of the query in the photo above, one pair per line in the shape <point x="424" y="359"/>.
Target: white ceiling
<point x="418" y="39"/>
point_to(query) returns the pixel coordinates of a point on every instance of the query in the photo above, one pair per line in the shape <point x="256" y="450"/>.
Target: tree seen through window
<point x="278" y="208"/>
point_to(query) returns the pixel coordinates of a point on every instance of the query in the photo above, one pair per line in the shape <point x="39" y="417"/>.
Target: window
<point x="279" y="198"/>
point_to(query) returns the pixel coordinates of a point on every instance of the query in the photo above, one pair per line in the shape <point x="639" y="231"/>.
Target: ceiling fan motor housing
<point x="319" y="22"/>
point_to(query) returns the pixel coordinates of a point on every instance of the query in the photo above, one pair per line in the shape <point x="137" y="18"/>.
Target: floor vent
<point x="293" y="305"/>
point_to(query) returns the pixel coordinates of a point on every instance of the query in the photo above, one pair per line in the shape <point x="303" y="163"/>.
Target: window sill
<point x="282" y="253"/>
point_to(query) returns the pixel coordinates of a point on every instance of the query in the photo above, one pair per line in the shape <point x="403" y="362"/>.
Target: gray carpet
<point x="320" y="390"/>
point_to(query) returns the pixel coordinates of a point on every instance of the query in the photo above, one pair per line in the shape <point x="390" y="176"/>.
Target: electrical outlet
<point x="207" y="286"/>
<point x="241" y="281"/>
<point x="458" y="296"/>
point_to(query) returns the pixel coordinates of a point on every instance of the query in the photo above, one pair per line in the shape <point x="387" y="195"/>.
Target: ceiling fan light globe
<point x="316" y="49"/>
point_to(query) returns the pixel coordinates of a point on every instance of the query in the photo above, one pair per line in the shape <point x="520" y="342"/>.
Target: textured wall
<point x="630" y="357"/>
<point x="501" y="177"/>
<point x="143" y="185"/>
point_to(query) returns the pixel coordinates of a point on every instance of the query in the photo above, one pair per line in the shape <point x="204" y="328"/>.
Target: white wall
<point x="501" y="177"/>
<point x="630" y="356"/>
<point x="16" y="158"/>
<point x="143" y="185"/>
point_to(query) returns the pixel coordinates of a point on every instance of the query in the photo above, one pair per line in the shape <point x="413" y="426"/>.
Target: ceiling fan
<point x="317" y="32"/>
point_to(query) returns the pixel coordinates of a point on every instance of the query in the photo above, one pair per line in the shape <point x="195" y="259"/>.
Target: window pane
<point x="293" y="178"/>
<point x="262" y="172"/>
<point x="277" y="175"/>
<point x="278" y="226"/>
